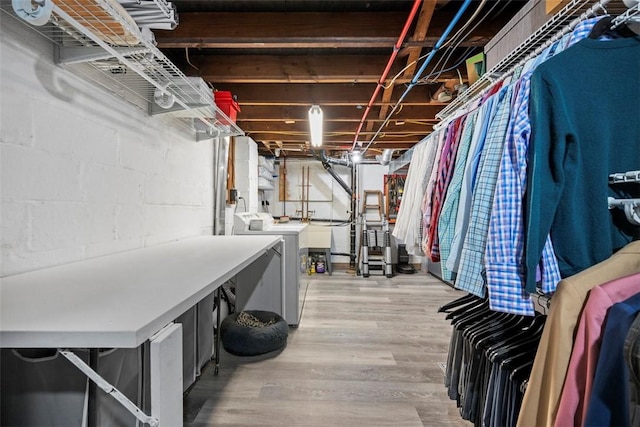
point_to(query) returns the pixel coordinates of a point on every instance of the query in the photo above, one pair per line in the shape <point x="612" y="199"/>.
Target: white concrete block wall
<point x="84" y="174"/>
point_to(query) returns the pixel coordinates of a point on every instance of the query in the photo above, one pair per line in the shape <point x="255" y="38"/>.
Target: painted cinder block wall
<point x="83" y="173"/>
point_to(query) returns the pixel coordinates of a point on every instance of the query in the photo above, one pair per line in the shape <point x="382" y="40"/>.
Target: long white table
<point x="123" y="300"/>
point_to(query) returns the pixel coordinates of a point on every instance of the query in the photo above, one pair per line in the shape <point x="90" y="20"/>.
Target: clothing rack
<point x="632" y="176"/>
<point x="541" y="303"/>
<point x="557" y="26"/>
<point x="631" y="208"/>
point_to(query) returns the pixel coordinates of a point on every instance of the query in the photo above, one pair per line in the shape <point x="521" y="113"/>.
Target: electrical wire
<point x="464" y="37"/>
<point x="428" y="79"/>
<point x="396" y="49"/>
<point x="476" y="12"/>
<point x="186" y="52"/>
<point x="431" y="53"/>
<point x="437" y="46"/>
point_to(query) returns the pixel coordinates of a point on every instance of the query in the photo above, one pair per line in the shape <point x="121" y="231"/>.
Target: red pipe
<point x="396" y="49"/>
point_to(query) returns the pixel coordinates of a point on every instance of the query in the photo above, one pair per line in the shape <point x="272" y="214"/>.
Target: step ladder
<point x="367" y="206"/>
<point x="375" y="247"/>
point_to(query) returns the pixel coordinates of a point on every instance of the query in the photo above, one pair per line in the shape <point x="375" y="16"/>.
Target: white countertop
<point x="286" y="228"/>
<point x="119" y="300"/>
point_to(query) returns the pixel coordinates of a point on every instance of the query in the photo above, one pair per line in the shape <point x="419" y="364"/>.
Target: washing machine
<point x="295" y="237"/>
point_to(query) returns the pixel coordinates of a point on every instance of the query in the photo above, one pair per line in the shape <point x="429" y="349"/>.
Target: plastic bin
<point x="224" y="100"/>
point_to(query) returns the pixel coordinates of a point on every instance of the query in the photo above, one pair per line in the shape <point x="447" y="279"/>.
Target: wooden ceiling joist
<point x="278" y="30"/>
<point x="300" y="113"/>
<point x="330" y="94"/>
<point x="332" y="127"/>
<point x="289" y="69"/>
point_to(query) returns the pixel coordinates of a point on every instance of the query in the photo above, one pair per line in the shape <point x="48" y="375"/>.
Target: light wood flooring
<point x="368" y="352"/>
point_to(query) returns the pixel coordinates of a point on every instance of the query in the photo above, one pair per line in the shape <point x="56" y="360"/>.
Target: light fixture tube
<point x="315" y="124"/>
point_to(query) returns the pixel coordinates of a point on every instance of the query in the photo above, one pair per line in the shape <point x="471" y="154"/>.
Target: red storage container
<point x="227" y="104"/>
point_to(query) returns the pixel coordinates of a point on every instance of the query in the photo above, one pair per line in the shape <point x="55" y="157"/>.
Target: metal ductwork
<point x="342" y="162"/>
<point x="326" y="163"/>
<point x="385" y="157"/>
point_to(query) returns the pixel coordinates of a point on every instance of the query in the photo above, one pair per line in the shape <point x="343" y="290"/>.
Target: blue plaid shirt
<point x="484" y="117"/>
<point x="469" y="276"/>
<point x="504" y="261"/>
<point x="446" y="222"/>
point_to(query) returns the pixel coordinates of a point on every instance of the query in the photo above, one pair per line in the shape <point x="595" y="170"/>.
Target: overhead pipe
<point x="426" y="62"/>
<point x="342" y="162"/>
<point x="385" y="73"/>
<point x="326" y="163"/>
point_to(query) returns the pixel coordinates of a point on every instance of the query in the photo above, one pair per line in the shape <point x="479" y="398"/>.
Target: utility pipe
<point x="326" y="163"/>
<point x="385" y="73"/>
<point x="426" y="62"/>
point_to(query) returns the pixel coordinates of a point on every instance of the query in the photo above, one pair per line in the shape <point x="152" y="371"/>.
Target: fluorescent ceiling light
<point x="315" y="124"/>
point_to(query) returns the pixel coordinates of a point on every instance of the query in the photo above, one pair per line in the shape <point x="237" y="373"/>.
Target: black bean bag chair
<point x="253" y="332"/>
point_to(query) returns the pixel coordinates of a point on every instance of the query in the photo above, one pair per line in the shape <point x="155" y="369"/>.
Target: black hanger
<point x="467" y="310"/>
<point x="510" y="325"/>
<point x="458" y="302"/>
<point x="603" y="26"/>
<point x="479" y="314"/>
<point x="526" y="335"/>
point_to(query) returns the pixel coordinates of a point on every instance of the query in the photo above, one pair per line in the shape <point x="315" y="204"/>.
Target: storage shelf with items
<point x="393" y="192"/>
<point x="100" y="41"/>
<point x="266" y="173"/>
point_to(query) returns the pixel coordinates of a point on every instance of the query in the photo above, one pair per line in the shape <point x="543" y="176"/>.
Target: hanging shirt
<point x="583" y="29"/>
<point x="445" y="172"/>
<point x="446" y="222"/>
<point x="412" y="190"/>
<point x="430" y="185"/>
<point x="609" y="401"/>
<point x="426" y="157"/>
<point x="584" y="127"/>
<point x="469" y="276"/>
<point x="576" y="391"/>
<point x="485" y="114"/>
<point x="504" y="260"/>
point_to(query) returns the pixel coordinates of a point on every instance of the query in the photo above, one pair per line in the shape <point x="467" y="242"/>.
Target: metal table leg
<point x="92" y="404"/>
<point x="217" y="337"/>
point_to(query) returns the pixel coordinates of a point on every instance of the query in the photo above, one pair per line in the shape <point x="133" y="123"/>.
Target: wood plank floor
<point x="368" y="352"/>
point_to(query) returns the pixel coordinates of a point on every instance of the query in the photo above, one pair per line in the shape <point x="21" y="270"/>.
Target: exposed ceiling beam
<point x="326" y="94"/>
<point x="288" y="69"/>
<point x="340" y="113"/>
<point x="419" y="34"/>
<point x="268" y="30"/>
<point x="310" y="43"/>
<point x="302" y="128"/>
<point x="424" y="21"/>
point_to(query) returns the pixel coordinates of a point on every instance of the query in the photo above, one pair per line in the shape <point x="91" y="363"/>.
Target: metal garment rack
<point x="560" y="24"/>
<point x="100" y="42"/>
<point x="632" y="176"/>
<point x="631" y="207"/>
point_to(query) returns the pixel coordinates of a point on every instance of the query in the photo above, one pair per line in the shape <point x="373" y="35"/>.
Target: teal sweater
<point x="585" y="118"/>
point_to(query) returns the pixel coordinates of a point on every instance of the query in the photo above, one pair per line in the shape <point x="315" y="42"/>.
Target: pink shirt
<point x="586" y="348"/>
